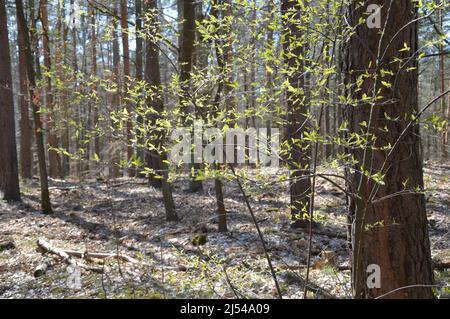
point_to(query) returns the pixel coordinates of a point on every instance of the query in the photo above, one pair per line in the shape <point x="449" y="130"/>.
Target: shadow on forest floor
<point x="128" y="216"/>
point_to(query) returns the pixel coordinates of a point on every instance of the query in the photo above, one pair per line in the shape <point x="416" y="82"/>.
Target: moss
<point x="199" y="240"/>
<point x="329" y="269"/>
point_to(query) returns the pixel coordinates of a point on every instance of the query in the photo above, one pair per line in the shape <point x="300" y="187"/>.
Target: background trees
<point x="108" y="82"/>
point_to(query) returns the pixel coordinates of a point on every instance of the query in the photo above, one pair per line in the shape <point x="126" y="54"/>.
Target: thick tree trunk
<point x="390" y="225"/>
<point x="9" y="172"/>
<point x="153" y="78"/>
<point x="35" y="102"/>
<point x="297" y="108"/>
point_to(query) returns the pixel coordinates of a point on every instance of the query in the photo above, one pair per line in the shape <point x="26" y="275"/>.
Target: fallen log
<point x="45" y="247"/>
<point x="67" y="255"/>
<point x="42" y="268"/>
<point x="89" y="255"/>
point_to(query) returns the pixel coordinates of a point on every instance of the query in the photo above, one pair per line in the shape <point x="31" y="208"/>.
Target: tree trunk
<point x="126" y="75"/>
<point x="185" y="60"/>
<point x="75" y="163"/>
<point x="115" y="160"/>
<point x="53" y="156"/>
<point x="153" y="78"/>
<point x="65" y="132"/>
<point x="297" y="108"/>
<point x="389" y="228"/>
<point x="94" y="73"/>
<point x="269" y="73"/>
<point x="9" y="172"/>
<point x="155" y="101"/>
<point x="26" y="135"/>
<point x="218" y="184"/>
<point x="85" y="107"/>
<point x="443" y="88"/>
<point x="35" y="102"/>
<point x="140" y="152"/>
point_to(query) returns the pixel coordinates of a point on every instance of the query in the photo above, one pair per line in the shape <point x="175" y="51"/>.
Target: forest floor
<point x="127" y="217"/>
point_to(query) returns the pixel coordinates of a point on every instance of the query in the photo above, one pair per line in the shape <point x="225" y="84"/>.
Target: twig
<point x="230" y="284"/>
<point x="68" y="254"/>
<point x="261" y="237"/>
<point x="406" y="287"/>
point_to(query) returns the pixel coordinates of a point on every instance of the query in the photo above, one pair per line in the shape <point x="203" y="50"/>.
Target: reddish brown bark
<point x="9" y="173"/>
<point x="389" y="229"/>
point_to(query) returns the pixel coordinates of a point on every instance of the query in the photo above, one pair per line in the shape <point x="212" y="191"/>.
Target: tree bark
<point x="297" y="108"/>
<point x="26" y="135"/>
<point x="155" y="101"/>
<point x="126" y="76"/>
<point x="140" y="152"/>
<point x="9" y="172"/>
<point x="218" y="183"/>
<point x="94" y="73"/>
<point x="115" y="159"/>
<point x="390" y="232"/>
<point x="53" y="156"/>
<point x="35" y="102"/>
<point x="444" y="144"/>
<point x="185" y="60"/>
<point x="65" y="131"/>
<point x="77" y="112"/>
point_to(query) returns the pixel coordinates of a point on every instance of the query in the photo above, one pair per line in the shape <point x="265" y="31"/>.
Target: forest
<point x="224" y="149"/>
